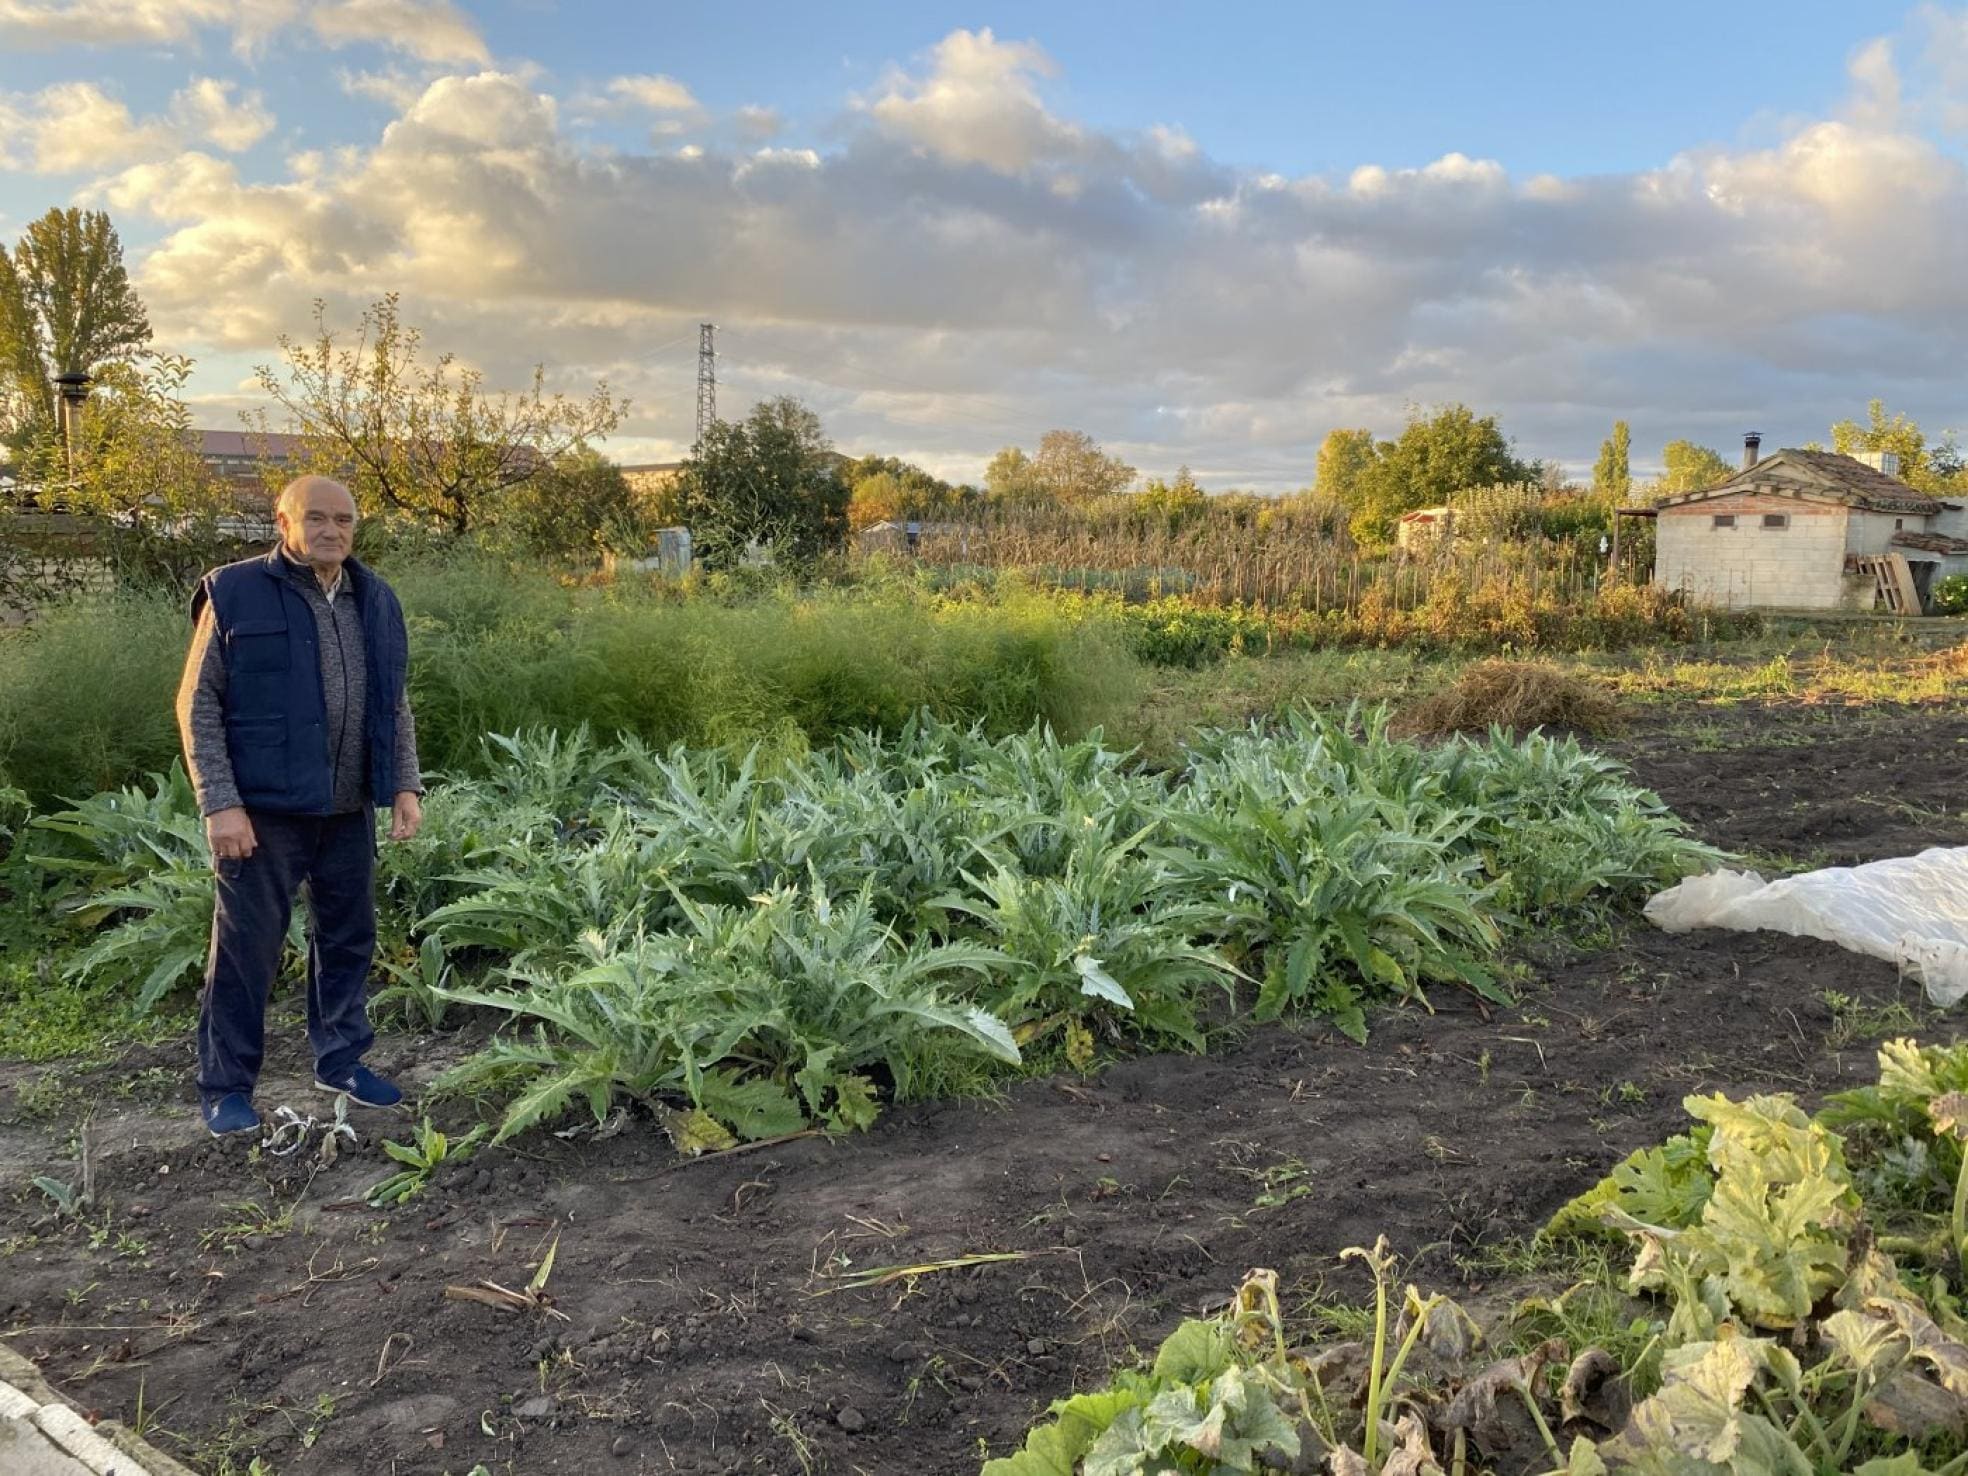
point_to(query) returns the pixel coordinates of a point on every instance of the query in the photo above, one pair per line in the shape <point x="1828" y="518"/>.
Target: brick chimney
<point x="1752" y="445"/>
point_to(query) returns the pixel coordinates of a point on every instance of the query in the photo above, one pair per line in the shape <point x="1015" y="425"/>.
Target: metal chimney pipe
<point x="72" y="391"/>
<point x="1752" y="445"/>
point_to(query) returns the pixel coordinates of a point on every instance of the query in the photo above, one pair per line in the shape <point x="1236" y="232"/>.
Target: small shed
<point x="1421" y="528"/>
<point x="1810" y="530"/>
<point x="671" y="555"/>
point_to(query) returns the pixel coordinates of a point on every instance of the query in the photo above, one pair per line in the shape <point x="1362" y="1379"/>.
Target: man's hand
<point x="406" y="815"/>
<point x="230" y="833"/>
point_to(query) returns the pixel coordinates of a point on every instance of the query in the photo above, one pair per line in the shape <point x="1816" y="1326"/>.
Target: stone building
<point x="1808" y="530"/>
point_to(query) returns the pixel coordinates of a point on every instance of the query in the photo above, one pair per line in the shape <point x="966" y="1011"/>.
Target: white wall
<point x="1872" y="532"/>
<point x="1801" y="566"/>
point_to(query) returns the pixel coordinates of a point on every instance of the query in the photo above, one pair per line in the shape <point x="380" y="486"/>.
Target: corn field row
<point x="1214" y="566"/>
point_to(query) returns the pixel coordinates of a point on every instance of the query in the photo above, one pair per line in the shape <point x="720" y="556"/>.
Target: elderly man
<point x="296" y="723"/>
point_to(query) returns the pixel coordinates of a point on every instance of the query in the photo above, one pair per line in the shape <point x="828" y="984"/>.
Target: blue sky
<point x="1204" y="234"/>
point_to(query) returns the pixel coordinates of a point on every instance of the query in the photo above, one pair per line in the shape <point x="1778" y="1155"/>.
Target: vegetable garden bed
<point x="759" y="1312"/>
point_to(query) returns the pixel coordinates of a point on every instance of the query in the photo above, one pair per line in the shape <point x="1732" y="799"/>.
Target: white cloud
<point x="114" y="22"/>
<point x="979" y="104"/>
<point x="1875" y="84"/>
<point x="961" y="267"/>
<point x="77" y="128"/>
<point x="658" y="94"/>
<point x="74" y="127"/>
<point x="1943" y="60"/>
<point x="393" y="87"/>
<point x="432" y="30"/>
<point x="208" y="112"/>
<point x="758" y="123"/>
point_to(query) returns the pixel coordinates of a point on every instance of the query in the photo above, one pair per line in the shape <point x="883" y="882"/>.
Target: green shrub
<point x="89" y="688"/>
<point x="789" y="669"/>
<point x="86" y="695"/>
<point x="1951" y="595"/>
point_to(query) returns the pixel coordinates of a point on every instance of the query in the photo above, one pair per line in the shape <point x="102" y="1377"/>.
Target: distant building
<point x="650" y="477"/>
<point x="1810" y="530"/>
<point x="240" y="459"/>
<point x="647" y="477"/>
<point x="238" y="456"/>
<point x="1420" y="528"/>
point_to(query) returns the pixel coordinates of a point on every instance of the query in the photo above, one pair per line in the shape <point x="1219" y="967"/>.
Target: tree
<point x="1072" y="468"/>
<point x="1936" y="469"/>
<point x="876" y="499"/>
<point x="1345" y="459"/>
<point x="1690" y="468"/>
<point x="770" y="479"/>
<point x="422" y="441"/>
<point x="577" y="507"/>
<point x="1011" y="478"/>
<point x="886" y="487"/>
<point x="1172" y="503"/>
<point x="66" y="307"/>
<point x="923" y="493"/>
<point x="136" y="472"/>
<point x="1948" y="465"/>
<point x="1612" y="476"/>
<point x="1434" y="457"/>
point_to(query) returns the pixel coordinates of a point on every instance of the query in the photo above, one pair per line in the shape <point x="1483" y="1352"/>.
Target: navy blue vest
<point x="276" y="717"/>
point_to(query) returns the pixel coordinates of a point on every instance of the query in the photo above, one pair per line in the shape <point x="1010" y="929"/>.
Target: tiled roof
<point x="1825" y="475"/>
<point x="1939" y="543"/>
<point x="276" y="444"/>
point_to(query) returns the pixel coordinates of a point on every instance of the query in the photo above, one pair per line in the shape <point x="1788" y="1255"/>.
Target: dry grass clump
<point x="1512" y="694"/>
<point x="1949" y="661"/>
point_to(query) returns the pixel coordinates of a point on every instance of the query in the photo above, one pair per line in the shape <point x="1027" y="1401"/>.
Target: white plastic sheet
<point x="1909" y="910"/>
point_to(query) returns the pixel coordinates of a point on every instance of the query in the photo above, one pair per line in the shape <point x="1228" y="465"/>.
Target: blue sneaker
<point x="362" y="1087"/>
<point x="230" y="1115"/>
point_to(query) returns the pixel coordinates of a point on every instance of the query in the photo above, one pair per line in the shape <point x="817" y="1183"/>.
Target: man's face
<point x="322" y="529"/>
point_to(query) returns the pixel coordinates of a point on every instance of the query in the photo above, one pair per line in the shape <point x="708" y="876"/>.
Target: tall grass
<point x="782" y="667"/>
<point x="86" y="693"/>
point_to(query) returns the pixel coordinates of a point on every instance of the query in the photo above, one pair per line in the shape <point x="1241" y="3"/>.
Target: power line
<point x="1009" y="419"/>
<point x="661" y="348"/>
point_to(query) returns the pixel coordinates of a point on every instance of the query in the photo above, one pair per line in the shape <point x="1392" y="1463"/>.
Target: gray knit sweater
<point x="344" y="686"/>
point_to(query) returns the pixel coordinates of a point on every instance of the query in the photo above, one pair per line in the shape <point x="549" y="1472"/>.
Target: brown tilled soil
<point x="707" y="1323"/>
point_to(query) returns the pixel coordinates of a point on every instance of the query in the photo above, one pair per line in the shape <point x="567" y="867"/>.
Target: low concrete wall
<point x="41" y="1434"/>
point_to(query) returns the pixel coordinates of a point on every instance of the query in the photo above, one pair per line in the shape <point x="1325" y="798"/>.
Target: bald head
<point x="316" y="518"/>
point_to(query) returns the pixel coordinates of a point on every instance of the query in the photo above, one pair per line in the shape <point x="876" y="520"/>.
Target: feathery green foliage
<point x="768" y="940"/>
<point x="761" y="1016"/>
<point x="138" y="875"/>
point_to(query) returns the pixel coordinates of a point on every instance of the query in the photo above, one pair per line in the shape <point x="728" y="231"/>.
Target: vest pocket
<point x="259" y="753"/>
<point x="257" y="645"/>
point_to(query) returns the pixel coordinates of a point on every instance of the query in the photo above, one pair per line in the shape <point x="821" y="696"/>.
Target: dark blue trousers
<point x="335" y="855"/>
